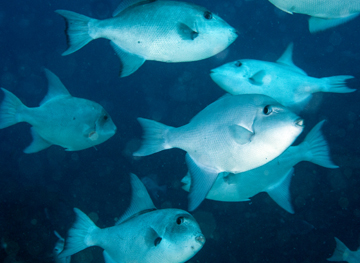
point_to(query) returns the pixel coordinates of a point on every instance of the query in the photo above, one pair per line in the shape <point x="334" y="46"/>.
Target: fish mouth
<point x="201" y="239"/>
<point x="299" y="122"/>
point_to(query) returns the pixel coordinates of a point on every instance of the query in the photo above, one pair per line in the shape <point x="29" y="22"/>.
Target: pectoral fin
<point x="186" y="33"/>
<point x="129" y="62"/>
<point x="37" y="144"/>
<point x="240" y="134"/>
<point x="257" y="78"/>
<point x="202" y="179"/>
<point x="280" y="192"/>
<point x="107" y="258"/>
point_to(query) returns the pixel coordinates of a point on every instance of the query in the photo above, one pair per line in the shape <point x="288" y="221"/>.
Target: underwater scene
<point x="180" y="131"/>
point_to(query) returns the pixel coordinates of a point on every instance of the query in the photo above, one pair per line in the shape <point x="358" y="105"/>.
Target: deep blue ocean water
<point x="38" y="191"/>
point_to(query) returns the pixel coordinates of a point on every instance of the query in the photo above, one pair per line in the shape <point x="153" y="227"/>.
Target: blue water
<point x="38" y="191"/>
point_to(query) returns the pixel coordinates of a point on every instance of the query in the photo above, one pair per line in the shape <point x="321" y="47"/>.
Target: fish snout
<point x="201" y="239"/>
<point x="299" y="122"/>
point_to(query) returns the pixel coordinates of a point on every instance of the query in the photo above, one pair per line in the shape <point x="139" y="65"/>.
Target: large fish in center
<point x="233" y="134"/>
<point x="166" y="31"/>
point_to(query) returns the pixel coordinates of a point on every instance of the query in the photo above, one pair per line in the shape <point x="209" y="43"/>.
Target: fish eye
<point x="238" y="64"/>
<point x="157" y="241"/>
<point x="267" y="110"/>
<point x="180" y="220"/>
<point x="105" y="117"/>
<point x="208" y="15"/>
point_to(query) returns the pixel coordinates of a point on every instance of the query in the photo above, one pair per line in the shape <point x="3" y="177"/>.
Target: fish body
<point x="273" y="177"/>
<point x="70" y="122"/>
<point x="281" y="80"/>
<point x="342" y="253"/>
<point x="324" y="13"/>
<point x="166" y="31"/>
<point x="143" y="233"/>
<point x="233" y="134"/>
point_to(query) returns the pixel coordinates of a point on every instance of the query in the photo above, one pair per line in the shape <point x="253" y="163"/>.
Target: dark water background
<point x="38" y="191"/>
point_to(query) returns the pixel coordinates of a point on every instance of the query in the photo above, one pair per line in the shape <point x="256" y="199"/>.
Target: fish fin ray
<point x="317" y="24"/>
<point x="140" y="200"/>
<point x="80" y="234"/>
<point x="77" y="30"/>
<point x="280" y="192"/>
<point x="202" y="179"/>
<point x="38" y="143"/>
<point x="317" y="148"/>
<point x="10" y="109"/>
<point x="55" y="87"/>
<point x="339" y="251"/>
<point x="129" y="62"/>
<point x="154" y="137"/>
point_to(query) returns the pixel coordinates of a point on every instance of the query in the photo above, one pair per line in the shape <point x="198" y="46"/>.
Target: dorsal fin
<point x="140" y="200"/>
<point x="126" y="3"/>
<point x="286" y="59"/>
<point x="55" y="87"/>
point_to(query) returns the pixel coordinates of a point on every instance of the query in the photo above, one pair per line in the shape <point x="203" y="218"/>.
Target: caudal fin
<point x="80" y="235"/>
<point x="10" y="109"/>
<point x="77" y="30"/>
<point x="339" y="251"/>
<point x="154" y="137"/>
<point x="337" y="84"/>
<point x="317" y="148"/>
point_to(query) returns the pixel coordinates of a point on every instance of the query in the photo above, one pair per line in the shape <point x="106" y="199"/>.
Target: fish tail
<point x="10" y="110"/>
<point x="154" y="137"/>
<point x="339" y="251"/>
<point x="337" y="84"/>
<point x="77" y="30"/>
<point x="80" y="235"/>
<point x="317" y="149"/>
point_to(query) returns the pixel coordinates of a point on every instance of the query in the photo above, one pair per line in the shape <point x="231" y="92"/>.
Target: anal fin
<point x="37" y="144"/>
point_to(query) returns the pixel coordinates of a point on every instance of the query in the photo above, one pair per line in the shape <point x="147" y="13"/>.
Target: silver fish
<point x="233" y="134"/>
<point x="59" y="247"/>
<point x="281" y="80"/>
<point x="143" y="233"/>
<point x="342" y="253"/>
<point x="72" y="123"/>
<point x="273" y="177"/>
<point x="166" y="31"/>
<point x="324" y="13"/>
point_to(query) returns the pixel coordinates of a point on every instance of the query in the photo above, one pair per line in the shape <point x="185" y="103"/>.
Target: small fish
<point x="324" y="13"/>
<point x="273" y="177"/>
<point x="167" y="31"/>
<point x="59" y="247"/>
<point x="281" y="80"/>
<point x="72" y="123"/>
<point x="143" y="233"/>
<point x="233" y="134"/>
<point x="342" y="253"/>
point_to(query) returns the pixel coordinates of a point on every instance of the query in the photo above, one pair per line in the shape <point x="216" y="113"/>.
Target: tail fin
<point x="80" y="235"/>
<point x="10" y="110"/>
<point x="337" y="84"/>
<point x="318" y="149"/>
<point x="154" y="138"/>
<point x="339" y="251"/>
<point x="77" y="30"/>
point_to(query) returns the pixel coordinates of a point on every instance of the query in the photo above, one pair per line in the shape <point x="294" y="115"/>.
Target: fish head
<point x="275" y="126"/>
<point x="213" y="34"/>
<point x="236" y="77"/>
<point x="181" y="235"/>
